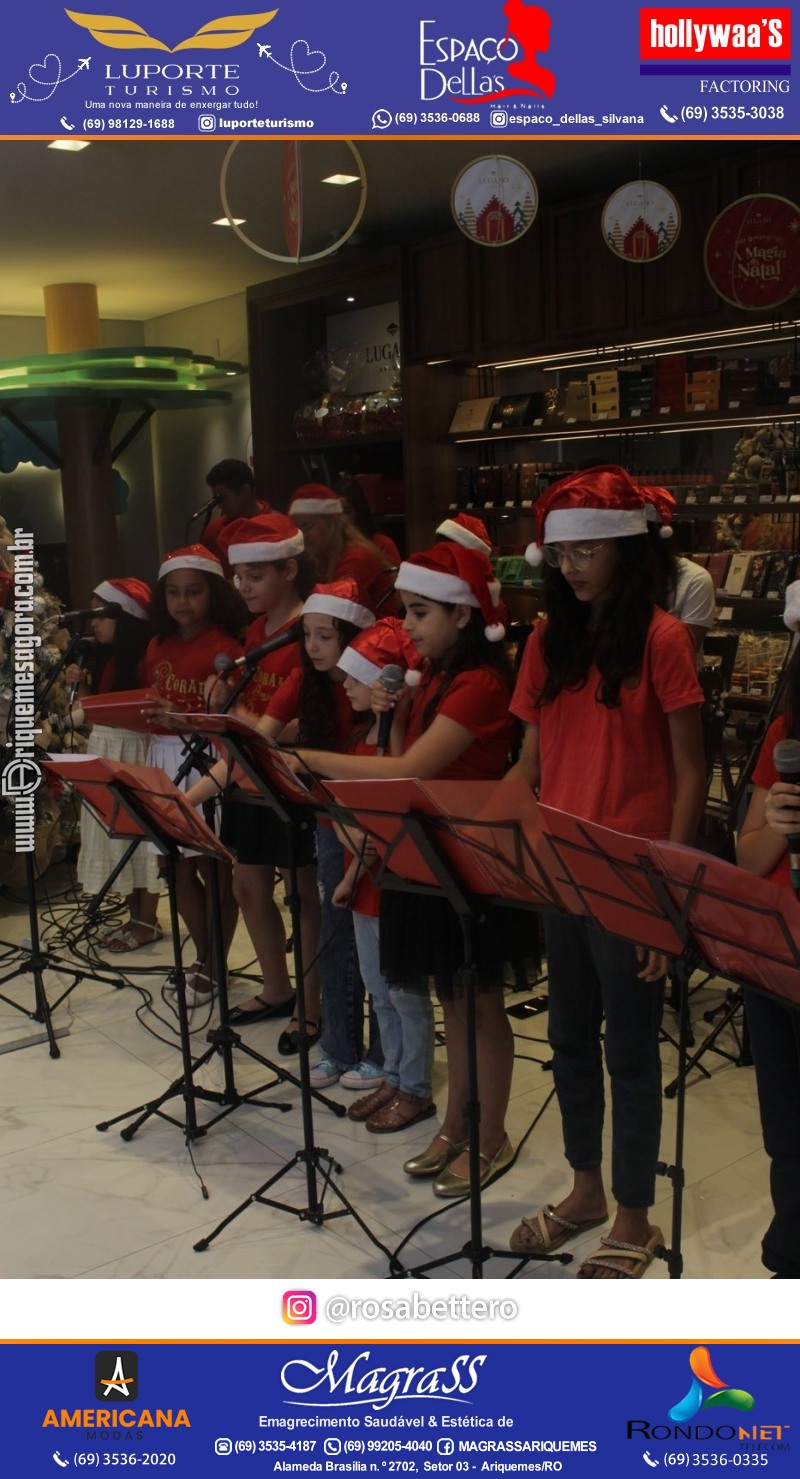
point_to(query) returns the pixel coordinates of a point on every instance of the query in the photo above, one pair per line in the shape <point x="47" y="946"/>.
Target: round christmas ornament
<point x="494" y="200"/>
<point x="641" y="221"/>
<point x="752" y="252"/>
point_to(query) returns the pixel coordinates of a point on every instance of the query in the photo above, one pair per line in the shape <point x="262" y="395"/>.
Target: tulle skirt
<point x="99" y="853"/>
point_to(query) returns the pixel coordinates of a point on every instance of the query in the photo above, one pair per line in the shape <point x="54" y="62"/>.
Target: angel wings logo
<point x="125" y="35"/>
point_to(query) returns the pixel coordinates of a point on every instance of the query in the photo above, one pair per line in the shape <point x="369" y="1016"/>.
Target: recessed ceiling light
<point x="350" y="300"/>
<point x="341" y="180"/>
<point x="223" y="221"/>
<point x="70" y="146"/>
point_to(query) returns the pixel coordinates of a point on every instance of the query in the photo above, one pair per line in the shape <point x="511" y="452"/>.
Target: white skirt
<point x="99" y="853"/>
<point x="167" y="752"/>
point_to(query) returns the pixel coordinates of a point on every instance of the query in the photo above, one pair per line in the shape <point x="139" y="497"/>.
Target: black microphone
<point x="111" y="608"/>
<point x="786" y="759"/>
<point x="252" y="657"/>
<point x="392" y="679"/>
<point x="198" y="513"/>
<point x="82" y="652"/>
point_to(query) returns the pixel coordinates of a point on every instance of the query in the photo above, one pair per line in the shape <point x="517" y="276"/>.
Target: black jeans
<point x="775" y="1043"/>
<point x="592" y="976"/>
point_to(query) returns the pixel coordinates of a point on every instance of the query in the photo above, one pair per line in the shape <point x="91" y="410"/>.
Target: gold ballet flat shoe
<point x="451" y="1185"/>
<point x="431" y="1162"/>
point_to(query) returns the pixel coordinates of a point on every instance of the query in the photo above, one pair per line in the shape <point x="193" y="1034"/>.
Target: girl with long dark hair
<point x="116" y="664"/>
<point x="609" y="695"/>
<point x="196" y="616"/>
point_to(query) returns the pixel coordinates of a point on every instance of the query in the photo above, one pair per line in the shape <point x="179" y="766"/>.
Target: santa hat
<point x="471" y="533"/>
<point x="791" y="610"/>
<point x="133" y="595"/>
<point x="659" y="509"/>
<point x="455" y="576"/>
<point x="192" y="557"/>
<point x="315" y="498"/>
<point x="597" y="503"/>
<point x="340" y="599"/>
<point x="266" y="537"/>
<point x="381" y="646"/>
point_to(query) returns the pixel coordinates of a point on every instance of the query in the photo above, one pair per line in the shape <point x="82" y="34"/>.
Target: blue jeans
<point x="775" y="1042"/>
<point x="342" y="1039"/>
<point x="405" y="1018"/>
<point x="592" y="976"/>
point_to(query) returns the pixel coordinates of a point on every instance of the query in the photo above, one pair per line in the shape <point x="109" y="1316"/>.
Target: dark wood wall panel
<point x="587" y="286"/>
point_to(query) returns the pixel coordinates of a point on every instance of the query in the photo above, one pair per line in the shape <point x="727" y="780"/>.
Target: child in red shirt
<point x="609" y="694"/>
<point x="774" y="1029"/>
<point x="116" y="664"/>
<point x="458" y="727"/>
<point x="196" y="616"/>
<point x="272" y="575"/>
<point x="405" y="1018"/>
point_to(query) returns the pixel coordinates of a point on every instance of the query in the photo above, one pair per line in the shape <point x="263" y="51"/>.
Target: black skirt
<point x="421" y="938"/>
<point x="256" y="835"/>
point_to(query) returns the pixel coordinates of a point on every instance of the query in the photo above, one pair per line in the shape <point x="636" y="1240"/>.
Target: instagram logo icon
<point x="299" y="1307"/>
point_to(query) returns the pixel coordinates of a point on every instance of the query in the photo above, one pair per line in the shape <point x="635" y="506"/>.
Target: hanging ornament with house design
<point x="641" y="221"/>
<point x="494" y="200"/>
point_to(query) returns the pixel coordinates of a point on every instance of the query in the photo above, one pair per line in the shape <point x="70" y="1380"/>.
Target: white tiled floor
<point x="78" y="1204"/>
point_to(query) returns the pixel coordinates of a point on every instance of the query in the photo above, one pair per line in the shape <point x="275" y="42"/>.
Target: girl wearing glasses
<point x="609" y="695"/>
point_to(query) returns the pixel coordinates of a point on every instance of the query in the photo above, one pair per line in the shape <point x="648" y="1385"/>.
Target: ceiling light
<point x="341" y="180"/>
<point x="350" y="300"/>
<point x="70" y="146"/>
<point x="223" y="221"/>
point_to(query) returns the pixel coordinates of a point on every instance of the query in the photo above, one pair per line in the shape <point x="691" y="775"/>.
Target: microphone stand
<point x="34" y="960"/>
<point x="222" y="1040"/>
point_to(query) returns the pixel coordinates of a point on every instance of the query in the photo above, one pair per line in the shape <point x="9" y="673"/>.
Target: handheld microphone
<point x="198" y="513"/>
<point x="786" y="759"/>
<point x="392" y="679"/>
<point x="82" y="652"/>
<point x="111" y="608"/>
<point x="252" y="657"/>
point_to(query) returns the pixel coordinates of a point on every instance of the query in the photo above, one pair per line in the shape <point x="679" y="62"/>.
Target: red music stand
<point x="456" y="840"/>
<point x="661" y="896"/>
<point x="142" y="803"/>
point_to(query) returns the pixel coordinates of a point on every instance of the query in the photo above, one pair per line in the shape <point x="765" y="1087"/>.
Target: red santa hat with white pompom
<point x="455" y="576"/>
<point x="659" y="509"/>
<point x="595" y="503"/>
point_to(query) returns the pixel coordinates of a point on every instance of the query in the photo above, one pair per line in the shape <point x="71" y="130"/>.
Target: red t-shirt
<point x="387" y="547"/>
<point x="366" y="568"/>
<point x="765" y="775"/>
<point x="178" y="669"/>
<point x="108" y="676"/>
<point x="272" y="669"/>
<point x="286" y="706"/>
<point x="613" y="766"/>
<point x="210" y="536"/>
<point x="478" y="699"/>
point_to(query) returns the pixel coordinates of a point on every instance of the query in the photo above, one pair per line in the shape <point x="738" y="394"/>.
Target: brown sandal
<point x="369" y="1103"/>
<point x="400" y="1112"/>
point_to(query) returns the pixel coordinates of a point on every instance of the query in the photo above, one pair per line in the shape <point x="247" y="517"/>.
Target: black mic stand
<point x="137" y="800"/>
<point x="32" y="959"/>
<point x="252" y="753"/>
<point x="222" y="1040"/>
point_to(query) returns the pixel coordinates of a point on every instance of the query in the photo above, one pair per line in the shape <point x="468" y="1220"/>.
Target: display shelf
<point x="750" y="613"/>
<point x="557" y="431"/>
